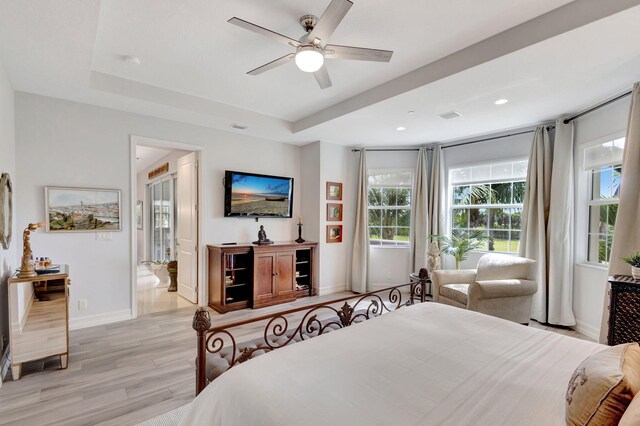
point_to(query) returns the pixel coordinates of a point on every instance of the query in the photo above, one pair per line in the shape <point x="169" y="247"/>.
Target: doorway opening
<point x="166" y="226"/>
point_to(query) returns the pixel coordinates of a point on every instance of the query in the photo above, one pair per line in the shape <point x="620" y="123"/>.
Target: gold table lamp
<point x="27" y="268"/>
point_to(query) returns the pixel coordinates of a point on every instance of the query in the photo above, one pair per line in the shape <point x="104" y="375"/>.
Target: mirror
<point x="6" y="211"/>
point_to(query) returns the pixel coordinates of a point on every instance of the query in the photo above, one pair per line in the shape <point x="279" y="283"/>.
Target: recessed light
<point x="131" y="59"/>
<point x="401" y="128"/>
<point x="501" y="101"/>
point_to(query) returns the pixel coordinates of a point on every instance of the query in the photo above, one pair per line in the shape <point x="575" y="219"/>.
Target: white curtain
<point x="535" y="215"/>
<point x="626" y="236"/>
<point x="419" y="213"/>
<point x="360" y="260"/>
<point x="435" y="196"/>
<point x="560" y="229"/>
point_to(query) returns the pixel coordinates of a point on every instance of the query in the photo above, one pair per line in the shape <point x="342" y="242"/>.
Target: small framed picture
<point x="139" y="221"/>
<point x="334" y="191"/>
<point x="334" y="233"/>
<point x="334" y="212"/>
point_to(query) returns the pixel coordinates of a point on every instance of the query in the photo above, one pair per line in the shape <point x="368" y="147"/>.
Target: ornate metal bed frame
<point x="356" y="308"/>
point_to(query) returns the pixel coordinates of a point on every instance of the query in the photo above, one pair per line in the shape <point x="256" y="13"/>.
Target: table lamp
<point x="27" y="268"/>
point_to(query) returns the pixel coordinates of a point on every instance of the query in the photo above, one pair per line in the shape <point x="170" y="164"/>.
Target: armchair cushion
<point x="495" y="289"/>
<point x="457" y="292"/>
<point x="496" y="266"/>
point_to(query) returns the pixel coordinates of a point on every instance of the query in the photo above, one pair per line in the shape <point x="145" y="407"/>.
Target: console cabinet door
<point x="264" y="277"/>
<point x="285" y="273"/>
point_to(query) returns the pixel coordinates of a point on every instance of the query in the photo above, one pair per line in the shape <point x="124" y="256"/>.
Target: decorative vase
<point x="635" y="272"/>
<point x="172" y="268"/>
<point x="162" y="274"/>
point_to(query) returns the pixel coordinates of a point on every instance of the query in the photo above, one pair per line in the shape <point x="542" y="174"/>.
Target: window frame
<point x="583" y="197"/>
<point x="450" y="199"/>
<point x="396" y="244"/>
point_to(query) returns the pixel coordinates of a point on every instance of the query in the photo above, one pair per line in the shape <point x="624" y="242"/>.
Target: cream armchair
<point x="501" y="286"/>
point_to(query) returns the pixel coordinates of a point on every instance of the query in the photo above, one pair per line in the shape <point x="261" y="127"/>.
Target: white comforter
<point x="429" y="364"/>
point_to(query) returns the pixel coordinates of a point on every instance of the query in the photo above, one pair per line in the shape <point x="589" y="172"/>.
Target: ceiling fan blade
<point x="263" y="31"/>
<point x="330" y="20"/>
<point x="322" y="77"/>
<point x="275" y="63"/>
<point x="334" y="51"/>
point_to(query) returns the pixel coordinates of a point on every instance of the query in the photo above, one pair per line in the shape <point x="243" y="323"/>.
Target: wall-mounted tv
<point x="253" y="195"/>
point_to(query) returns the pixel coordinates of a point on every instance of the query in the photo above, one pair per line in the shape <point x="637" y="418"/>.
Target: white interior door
<point x="187" y="229"/>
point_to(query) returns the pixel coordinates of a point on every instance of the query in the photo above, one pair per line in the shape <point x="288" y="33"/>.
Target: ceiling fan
<point x="312" y="48"/>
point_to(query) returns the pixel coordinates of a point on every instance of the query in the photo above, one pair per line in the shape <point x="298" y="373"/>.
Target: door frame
<point x="136" y="140"/>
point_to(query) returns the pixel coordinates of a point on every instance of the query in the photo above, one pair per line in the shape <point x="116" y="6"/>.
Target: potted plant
<point x="160" y="269"/>
<point x="634" y="261"/>
<point x="461" y="243"/>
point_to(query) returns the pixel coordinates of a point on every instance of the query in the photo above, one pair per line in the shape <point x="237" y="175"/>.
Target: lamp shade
<point x="309" y="58"/>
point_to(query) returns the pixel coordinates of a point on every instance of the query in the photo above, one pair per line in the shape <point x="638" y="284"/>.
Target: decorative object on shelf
<point x="334" y="212"/>
<point x="334" y="233"/>
<point x="461" y="243"/>
<point x="159" y="171"/>
<point x="139" y="215"/>
<point x="6" y="210"/>
<point x="27" y="266"/>
<point x="82" y="209"/>
<point x="433" y="257"/>
<point x="334" y="191"/>
<point x="634" y="261"/>
<point x="299" y="240"/>
<point x="262" y="238"/>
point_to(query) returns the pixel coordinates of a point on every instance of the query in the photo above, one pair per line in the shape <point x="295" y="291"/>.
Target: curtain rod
<point x="598" y="106"/>
<point x="493" y="138"/>
<point x="457" y="144"/>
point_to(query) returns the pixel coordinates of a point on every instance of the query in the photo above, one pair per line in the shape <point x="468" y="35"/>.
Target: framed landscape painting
<point x="334" y="233"/>
<point x="334" y="191"/>
<point x="82" y="209"/>
<point x="334" y="212"/>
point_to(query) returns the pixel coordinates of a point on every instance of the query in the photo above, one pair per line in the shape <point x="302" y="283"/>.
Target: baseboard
<point x="588" y="330"/>
<point x="99" y="319"/>
<point x="4" y="365"/>
<point x="333" y="289"/>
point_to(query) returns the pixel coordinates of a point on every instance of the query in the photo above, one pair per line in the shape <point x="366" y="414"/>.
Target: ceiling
<point x="555" y="57"/>
<point x="147" y="155"/>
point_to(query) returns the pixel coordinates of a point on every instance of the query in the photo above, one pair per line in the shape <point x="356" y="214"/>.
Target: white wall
<point x="8" y="258"/>
<point x="513" y="147"/>
<point x="142" y="180"/>
<point x="335" y="258"/>
<point x="589" y="288"/>
<point x="66" y="143"/>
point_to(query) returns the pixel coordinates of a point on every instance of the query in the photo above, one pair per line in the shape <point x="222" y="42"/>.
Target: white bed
<point x="426" y="364"/>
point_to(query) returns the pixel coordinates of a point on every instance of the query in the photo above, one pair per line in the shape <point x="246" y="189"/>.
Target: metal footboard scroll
<point x="310" y="321"/>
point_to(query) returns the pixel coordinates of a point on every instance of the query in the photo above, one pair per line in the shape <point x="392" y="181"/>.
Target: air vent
<point x="238" y="126"/>
<point x="451" y="114"/>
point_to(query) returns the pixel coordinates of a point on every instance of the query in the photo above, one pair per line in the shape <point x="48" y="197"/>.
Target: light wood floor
<point x="123" y="373"/>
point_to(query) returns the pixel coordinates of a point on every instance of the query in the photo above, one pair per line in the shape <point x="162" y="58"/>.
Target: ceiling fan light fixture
<point x="309" y="58"/>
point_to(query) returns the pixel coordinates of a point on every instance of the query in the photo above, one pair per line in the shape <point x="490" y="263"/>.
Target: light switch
<point x="104" y="236"/>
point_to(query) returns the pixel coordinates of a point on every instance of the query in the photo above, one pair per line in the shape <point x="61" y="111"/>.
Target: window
<point x="603" y="163"/>
<point x="390" y="207"/>
<point x="489" y="197"/>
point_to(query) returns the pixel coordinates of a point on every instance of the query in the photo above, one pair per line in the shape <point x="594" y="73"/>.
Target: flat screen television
<point x="254" y="195"/>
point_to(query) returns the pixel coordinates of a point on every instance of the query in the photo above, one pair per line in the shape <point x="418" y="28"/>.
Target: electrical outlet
<point x="82" y="304"/>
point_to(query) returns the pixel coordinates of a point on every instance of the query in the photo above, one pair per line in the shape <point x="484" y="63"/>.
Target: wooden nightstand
<point x="624" y="310"/>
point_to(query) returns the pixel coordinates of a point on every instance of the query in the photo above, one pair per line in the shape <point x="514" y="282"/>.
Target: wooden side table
<point x="421" y="287"/>
<point x="624" y="310"/>
<point x="39" y="318"/>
